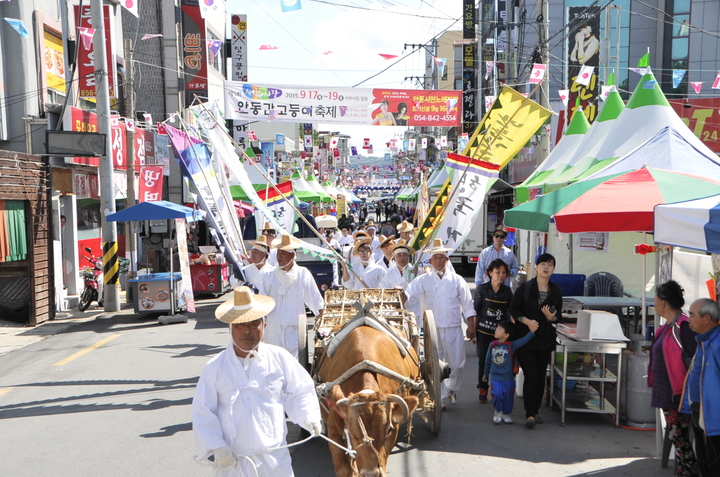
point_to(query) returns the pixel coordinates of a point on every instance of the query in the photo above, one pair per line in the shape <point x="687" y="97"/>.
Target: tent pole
<point x="570" y="247"/>
<point x="644" y="284"/>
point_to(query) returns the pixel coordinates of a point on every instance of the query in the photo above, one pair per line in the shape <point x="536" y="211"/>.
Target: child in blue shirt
<point x="499" y="368"/>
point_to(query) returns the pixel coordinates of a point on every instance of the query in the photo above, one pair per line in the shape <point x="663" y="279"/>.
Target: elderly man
<point x="399" y="274"/>
<point x="292" y="287"/>
<point x="702" y="386"/>
<point x="365" y="268"/>
<point x="244" y="392"/>
<point x="447" y="295"/>
<point x="496" y="250"/>
<point x="259" y="257"/>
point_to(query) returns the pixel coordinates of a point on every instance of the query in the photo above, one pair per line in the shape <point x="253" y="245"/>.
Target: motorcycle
<point x="93" y="276"/>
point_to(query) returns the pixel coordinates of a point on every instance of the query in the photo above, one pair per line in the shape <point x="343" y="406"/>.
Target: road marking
<point x="5" y="391"/>
<point x="86" y="350"/>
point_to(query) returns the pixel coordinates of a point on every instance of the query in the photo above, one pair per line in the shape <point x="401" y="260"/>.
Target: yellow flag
<point x="506" y="128"/>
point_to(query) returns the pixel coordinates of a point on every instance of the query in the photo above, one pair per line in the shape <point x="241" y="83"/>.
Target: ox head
<point x="373" y="420"/>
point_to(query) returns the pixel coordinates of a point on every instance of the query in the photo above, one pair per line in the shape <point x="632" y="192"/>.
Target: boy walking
<point x="499" y="368"/>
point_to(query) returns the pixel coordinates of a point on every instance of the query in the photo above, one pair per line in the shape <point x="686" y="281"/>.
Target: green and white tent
<point x="315" y="185"/>
<point x="303" y="191"/>
<point x="330" y="189"/>
<point x="256" y="178"/>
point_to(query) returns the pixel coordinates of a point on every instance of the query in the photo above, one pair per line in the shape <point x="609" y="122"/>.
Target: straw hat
<point x="405" y="226"/>
<point x="244" y="307"/>
<point x="287" y="243"/>
<point x="437" y="247"/>
<point x="267" y="226"/>
<point x="403" y="246"/>
<point x="358" y="243"/>
<point x="360" y="234"/>
<point x="371" y="223"/>
<point x="384" y="241"/>
<point x="262" y="244"/>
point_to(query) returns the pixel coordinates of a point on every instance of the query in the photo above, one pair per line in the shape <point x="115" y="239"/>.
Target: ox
<point x="365" y="410"/>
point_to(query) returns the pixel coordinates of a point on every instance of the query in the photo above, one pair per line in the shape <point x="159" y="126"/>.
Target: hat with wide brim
<point x="405" y="226"/>
<point x="402" y="245"/>
<point x="385" y="241"/>
<point x="267" y="226"/>
<point x="360" y="243"/>
<point x="437" y="247"/>
<point x="262" y="244"/>
<point x="360" y="234"/>
<point x="244" y="307"/>
<point x="287" y="243"/>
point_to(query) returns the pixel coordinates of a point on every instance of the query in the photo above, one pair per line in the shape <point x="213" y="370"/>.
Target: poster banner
<point x="701" y="119"/>
<point x="85" y="121"/>
<point x="584" y="51"/>
<point x="238" y="30"/>
<point x="379" y="106"/>
<point x="194" y="52"/>
<point x="187" y="291"/>
<point x="86" y="62"/>
<point x="469" y="73"/>
<point x="267" y="158"/>
<point x="281" y="210"/>
<point x="151" y="183"/>
<point x="591" y="242"/>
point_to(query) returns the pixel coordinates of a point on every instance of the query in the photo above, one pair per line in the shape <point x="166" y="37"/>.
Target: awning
<point x="158" y="210"/>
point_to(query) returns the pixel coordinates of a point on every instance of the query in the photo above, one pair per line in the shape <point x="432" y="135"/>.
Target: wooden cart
<point x="385" y="307"/>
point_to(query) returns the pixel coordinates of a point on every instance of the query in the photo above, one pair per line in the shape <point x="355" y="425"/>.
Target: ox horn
<point x="394" y="398"/>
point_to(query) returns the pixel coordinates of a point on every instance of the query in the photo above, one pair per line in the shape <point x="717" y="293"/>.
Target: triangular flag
<point x="489" y="66"/>
<point x="716" y="83"/>
<point x="606" y="90"/>
<point x="644" y="62"/>
<point x="538" y="73"/>
<point x="584" y="75"/>
<point x="18" y="25"/>
<point x="642" y="71"/>
<point x="564" y="95"/>
<point x="450" y="103"/>
<point x="131" y="6"/>
<point x="86" y="35"/>
<point x="677" y="77"/>
<point x="214" y="46"/>
<point x="268" y="47"/>
<point x="697" y="86"/>
<point x="149" y="36"/>
<point x="290" y="5"/>
<point x="440" y="62"/>
<point x="387" y="57"/>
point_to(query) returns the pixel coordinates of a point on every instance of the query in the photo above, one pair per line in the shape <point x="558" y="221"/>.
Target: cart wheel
<point x="431" y="369"/>
<point x="303" y="357"/>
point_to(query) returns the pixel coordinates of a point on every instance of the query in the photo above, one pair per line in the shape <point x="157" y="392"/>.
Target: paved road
<point x="123" y="408"/>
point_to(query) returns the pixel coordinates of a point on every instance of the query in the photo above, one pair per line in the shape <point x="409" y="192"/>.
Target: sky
<point x="355" y="32"/>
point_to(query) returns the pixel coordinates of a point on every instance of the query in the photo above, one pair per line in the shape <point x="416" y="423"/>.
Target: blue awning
<point x="157" y="210"/>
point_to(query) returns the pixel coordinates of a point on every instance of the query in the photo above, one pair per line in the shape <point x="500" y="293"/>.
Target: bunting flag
<point x="334" y="142"/>
<point x="642" y="71"/>
<point x="605" y="91"/>
<point x="214" y="46"/>
<point x="327" y="52"/>
<point x="268" y="47"/>
<point x="132" y="6"/>
<point x="697" y="86"/>
<point x="489" y="66"/>
<point x="564" y="95"/>
<point x="424" y="142"/>
<point x="353" y="151"/>
<point x="677" y="77"/>
<point x="148" y="118"/>
<point x="411" y="144"/>
<point x="387" y="57"/>
<point x="370" y="149"/>
<point x="584" y="75"/>
<point x="439" y="62"/>
<point x="252" y="136"/>
<point x="208" y="7"/>
<point x="150" y="36"/>
<point x="18" y="26"/>
<point x="443" y="141"/>
<point x="366" y="143"/>
<point x="716" y="83"/>
<point x="538" y="73"/>
<point x="290" y="5"/>
<point x="86" y="35"/>
<point x="450" y="103"/>
<point x="489" y="100"/>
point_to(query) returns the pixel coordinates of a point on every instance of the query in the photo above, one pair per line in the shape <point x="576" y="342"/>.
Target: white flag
<point x="131" y="6"/>
<point x="564" y="94"/>
<point x="538" y="73"/>
<point x="585" y="74"/>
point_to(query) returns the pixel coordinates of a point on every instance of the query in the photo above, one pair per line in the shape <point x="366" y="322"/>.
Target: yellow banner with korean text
<point x="507" y="126"/>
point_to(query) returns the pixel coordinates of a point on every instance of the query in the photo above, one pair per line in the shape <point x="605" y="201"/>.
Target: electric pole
<point x="107" y="188"/>
<point x="543" y="148"/>
<point x="130" y="235"/>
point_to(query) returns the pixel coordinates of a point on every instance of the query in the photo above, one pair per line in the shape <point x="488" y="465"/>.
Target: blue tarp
<point x="157" y="210"/>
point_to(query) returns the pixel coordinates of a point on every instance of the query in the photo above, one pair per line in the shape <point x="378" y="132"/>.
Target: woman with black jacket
<point x="539" y="300"/>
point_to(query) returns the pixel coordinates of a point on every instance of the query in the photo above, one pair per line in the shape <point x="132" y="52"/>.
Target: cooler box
<point x="599" y="325"/>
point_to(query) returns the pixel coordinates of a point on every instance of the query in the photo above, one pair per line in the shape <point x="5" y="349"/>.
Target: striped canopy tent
<point x="324" y="196"/>
<point x="303" y="191"/>
<point x="348" y="195"/>
<point x="437" y="179"/>
<point x="558" y="158"/>
<point x="330" y="189"/>
<point x="646" y="113"/>
<point x="403" y="193"/>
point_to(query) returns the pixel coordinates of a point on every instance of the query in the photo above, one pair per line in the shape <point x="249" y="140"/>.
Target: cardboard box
<point x="599" y="325"/>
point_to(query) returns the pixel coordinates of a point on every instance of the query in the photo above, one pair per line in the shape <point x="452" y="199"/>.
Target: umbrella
<point x="699" y="221"/>
<point x="622" y="202"/>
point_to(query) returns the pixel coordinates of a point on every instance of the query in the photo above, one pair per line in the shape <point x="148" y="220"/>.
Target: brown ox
<point x="366" y="404"/>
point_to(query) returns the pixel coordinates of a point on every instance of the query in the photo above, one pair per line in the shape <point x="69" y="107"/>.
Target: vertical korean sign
<point x="238" y="30"/>
<point x="86" y="62"/>
<point x="194" y="51"/>
<point x="151" y="183"/>
<point x="583" y="49"/>
<point x="469" y="55"/>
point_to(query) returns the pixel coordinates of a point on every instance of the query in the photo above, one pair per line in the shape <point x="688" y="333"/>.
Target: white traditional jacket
<point x="394" y="278"/>
<point x="290" y="302"/>
<point x="448" y="297"/>
<point x="372" y="275"/>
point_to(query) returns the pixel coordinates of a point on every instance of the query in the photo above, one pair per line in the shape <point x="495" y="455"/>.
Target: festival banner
<point x="469" y="67"/>
<point x="434" y="215"/>
<point x="238" y="30"/>
<point x="379" y="106"/>
<point x="506" y="128"/>
<point x="194" y="52"/>
<point x="183" y="255"/>
<point x="583" y="45"/>
<point x="272" y="198"/>
<point x="151" y="183"/>
<point x="86" y="62"/>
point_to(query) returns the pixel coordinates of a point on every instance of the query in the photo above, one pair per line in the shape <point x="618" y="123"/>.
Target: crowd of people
<point x="258" y="378"/>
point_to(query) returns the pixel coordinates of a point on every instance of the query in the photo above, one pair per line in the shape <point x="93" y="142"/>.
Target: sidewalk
<point x="15" y="335"/>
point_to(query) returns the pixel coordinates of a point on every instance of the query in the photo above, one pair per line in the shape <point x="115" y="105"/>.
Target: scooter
<point x="93" y="276"/>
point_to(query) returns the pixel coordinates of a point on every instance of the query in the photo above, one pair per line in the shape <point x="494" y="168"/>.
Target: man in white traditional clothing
<point x="244" y="393"/>
<point x="448" y="296"/>
<point x="269" y="232"/>
<point x="292" y="287"/>
<point x="386" y="251"/>
<point x="400" y="273"/>
<point x="405" y="231"/>
<point x="259" y="267"/>
<point x="345" y="238"/>
<point x="365" y="268"/>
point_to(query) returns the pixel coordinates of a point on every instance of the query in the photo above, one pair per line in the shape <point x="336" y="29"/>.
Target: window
<point x="676" y="47"/>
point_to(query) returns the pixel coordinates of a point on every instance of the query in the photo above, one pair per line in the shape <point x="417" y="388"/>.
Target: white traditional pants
<point x="451" y="349"/>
